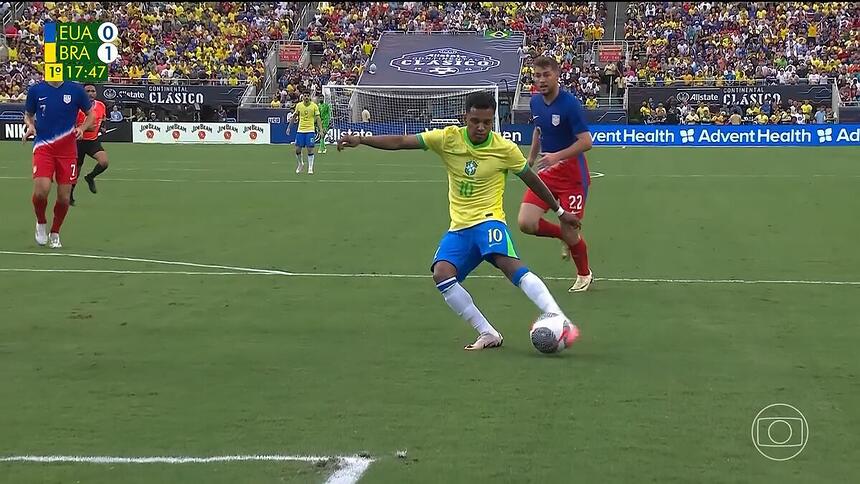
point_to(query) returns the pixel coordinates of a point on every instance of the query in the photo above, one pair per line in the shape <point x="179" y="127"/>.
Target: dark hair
<point x="89" y="84"/>
<point x="546" y="63"/>
<point x="480" y="100"/>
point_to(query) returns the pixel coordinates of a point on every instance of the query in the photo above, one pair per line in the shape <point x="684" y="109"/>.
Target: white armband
<point x="560" y="210"/>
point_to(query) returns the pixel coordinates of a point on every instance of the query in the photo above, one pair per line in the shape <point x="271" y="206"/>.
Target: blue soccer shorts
<point x="465" y="249"/>
<point x="305" y="140"/>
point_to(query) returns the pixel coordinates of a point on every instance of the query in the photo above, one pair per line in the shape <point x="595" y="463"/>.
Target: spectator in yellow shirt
<point x="591" y="103"/>
<point x="806" y="109"/>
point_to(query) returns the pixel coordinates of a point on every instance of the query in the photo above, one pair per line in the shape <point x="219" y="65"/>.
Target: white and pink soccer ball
<point x="552" y="333"/>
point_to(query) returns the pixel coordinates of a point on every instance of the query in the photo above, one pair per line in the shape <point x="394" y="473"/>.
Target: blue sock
<point x="446" y="284"/>
<point x="518" y="276"/>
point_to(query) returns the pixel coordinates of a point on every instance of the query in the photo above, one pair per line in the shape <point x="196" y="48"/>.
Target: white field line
<point x="245" y="271"/>
<point x="349" y="471"/>
<point x="150" y="261"/>
<point x="304" y="180"/>
<point x="119" y="271"/>
<point x="440" y="180"/>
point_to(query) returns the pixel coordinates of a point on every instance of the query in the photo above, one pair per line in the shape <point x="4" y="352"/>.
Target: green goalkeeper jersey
<point x="325" y="113"/>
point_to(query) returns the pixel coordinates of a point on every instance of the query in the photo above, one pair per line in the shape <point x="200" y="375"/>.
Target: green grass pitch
<point x="156" y="359"/>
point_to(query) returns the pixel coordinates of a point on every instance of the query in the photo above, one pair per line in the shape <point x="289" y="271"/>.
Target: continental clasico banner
<point x="165" y="95"/>
<point x="201" y="133"/>
<point x="742" y="96"/>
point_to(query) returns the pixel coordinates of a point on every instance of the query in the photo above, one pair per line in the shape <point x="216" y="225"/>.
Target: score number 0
<point x="108" y="52"/>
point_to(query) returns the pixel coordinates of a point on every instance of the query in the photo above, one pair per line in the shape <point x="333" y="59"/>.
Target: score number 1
<point x="108" y="52"/>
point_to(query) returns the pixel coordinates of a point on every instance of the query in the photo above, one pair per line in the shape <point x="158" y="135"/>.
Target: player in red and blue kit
<point x="51" y="110"/>
<point x="561" y="138"/>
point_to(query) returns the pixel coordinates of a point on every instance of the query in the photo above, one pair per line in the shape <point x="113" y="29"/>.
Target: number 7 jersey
<point x="476" y="173"/>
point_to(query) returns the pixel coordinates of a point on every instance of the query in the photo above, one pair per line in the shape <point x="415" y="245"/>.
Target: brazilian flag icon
<point x="497" y="34"/>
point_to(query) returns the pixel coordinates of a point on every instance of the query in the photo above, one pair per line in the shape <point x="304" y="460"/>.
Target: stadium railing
<point x="173" y="81"/>
<point x="726" y="83"/>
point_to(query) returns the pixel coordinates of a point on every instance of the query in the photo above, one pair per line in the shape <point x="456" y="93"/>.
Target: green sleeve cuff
<point x="421" y="141"/>
<point x="525" y="167"/>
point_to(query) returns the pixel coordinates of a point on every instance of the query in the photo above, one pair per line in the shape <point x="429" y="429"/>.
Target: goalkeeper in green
<point x="325" y="117"/>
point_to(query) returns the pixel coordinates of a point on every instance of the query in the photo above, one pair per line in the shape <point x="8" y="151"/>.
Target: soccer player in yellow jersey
<point x="478" y="161"/>
<point x="308" y="114"/>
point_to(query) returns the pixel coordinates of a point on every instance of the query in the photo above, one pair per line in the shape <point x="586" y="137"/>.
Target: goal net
<point x="379" y="110"/>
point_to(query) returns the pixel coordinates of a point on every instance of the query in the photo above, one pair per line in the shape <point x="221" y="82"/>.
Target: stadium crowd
<point x="161" y="42"/>
<point x="796" y="112"/>
<point x="743" y="43"/>
<point x="349" y="32"/>
<point x="689" y="43"/>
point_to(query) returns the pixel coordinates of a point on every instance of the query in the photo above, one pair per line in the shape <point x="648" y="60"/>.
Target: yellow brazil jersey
<point x="307" y="113"/>
<point x="476" y="173"/>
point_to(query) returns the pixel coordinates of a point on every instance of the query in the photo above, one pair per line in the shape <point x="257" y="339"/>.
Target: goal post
<point x="379" y="110"/>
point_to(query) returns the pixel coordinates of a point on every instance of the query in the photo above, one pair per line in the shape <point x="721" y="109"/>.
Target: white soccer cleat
<point x="41" y="233"/>
<point x="300" y="168"/>
<point x="54" y="241"/>
<point x="582" y="283"/>
<point x="486" y="341"/>
<point x="310" y="171"/>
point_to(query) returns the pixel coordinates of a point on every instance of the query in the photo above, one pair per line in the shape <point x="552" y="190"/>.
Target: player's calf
<point x="101" y="165"/>
<point x="461" y="302"/>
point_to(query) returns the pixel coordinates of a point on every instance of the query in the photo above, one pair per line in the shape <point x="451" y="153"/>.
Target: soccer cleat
<point x="565" y="251"/>
<point x="582" y="283"/>
<point x="485" y="341"/>
<point x="71" y="201"/>
<point x="570" y="334"/>
<point x="300" y="168"/>
<point x="41" y="233"/>
<point x="54" y="241"/>
<point x="323" y="151"/>
<point x="310" y="171"/>
<point x="91" y="183"/>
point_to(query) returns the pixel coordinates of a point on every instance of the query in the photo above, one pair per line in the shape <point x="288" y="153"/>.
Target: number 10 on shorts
<point x="496" y="236"/>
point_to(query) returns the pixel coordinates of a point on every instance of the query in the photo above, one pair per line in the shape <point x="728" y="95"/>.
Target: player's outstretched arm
<point x="31" y="127"/>
<point x="389" y="142"/>
<point x="535" y="149"/>
<point x="87" y="124"/>
<point x="541" y="190"/>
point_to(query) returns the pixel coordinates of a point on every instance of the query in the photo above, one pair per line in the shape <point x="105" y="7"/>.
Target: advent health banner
<point x="643" y="135"/>
<point x="201" y="133"/>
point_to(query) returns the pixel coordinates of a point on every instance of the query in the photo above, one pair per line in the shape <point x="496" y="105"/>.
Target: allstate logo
<point x="682" y="96"/>
<point x="109" y="93"/>
<point x="444" y="62"/>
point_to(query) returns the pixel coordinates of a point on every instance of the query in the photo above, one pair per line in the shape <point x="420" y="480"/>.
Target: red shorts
<point x="62" y="169"/>
<point x="571" y="196"/>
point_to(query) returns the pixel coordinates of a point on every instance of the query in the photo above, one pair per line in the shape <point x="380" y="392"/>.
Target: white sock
<point x="461" y="302"/>
<point x="311" y="161"/>
<point x="537" y="291"/>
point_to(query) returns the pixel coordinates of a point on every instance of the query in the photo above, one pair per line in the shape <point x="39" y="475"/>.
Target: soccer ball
<point x="551" y="333"/>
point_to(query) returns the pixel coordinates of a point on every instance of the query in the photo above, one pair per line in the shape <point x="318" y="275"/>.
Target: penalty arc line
<point x="349" y="471"/>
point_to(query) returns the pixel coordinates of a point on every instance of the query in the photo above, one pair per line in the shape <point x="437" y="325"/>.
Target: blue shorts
<point x="467" y="248"/>
<point x="305" y="140"/>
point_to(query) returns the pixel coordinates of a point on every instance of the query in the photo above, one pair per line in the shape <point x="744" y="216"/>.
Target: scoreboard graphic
<point x="80" y="52"/>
